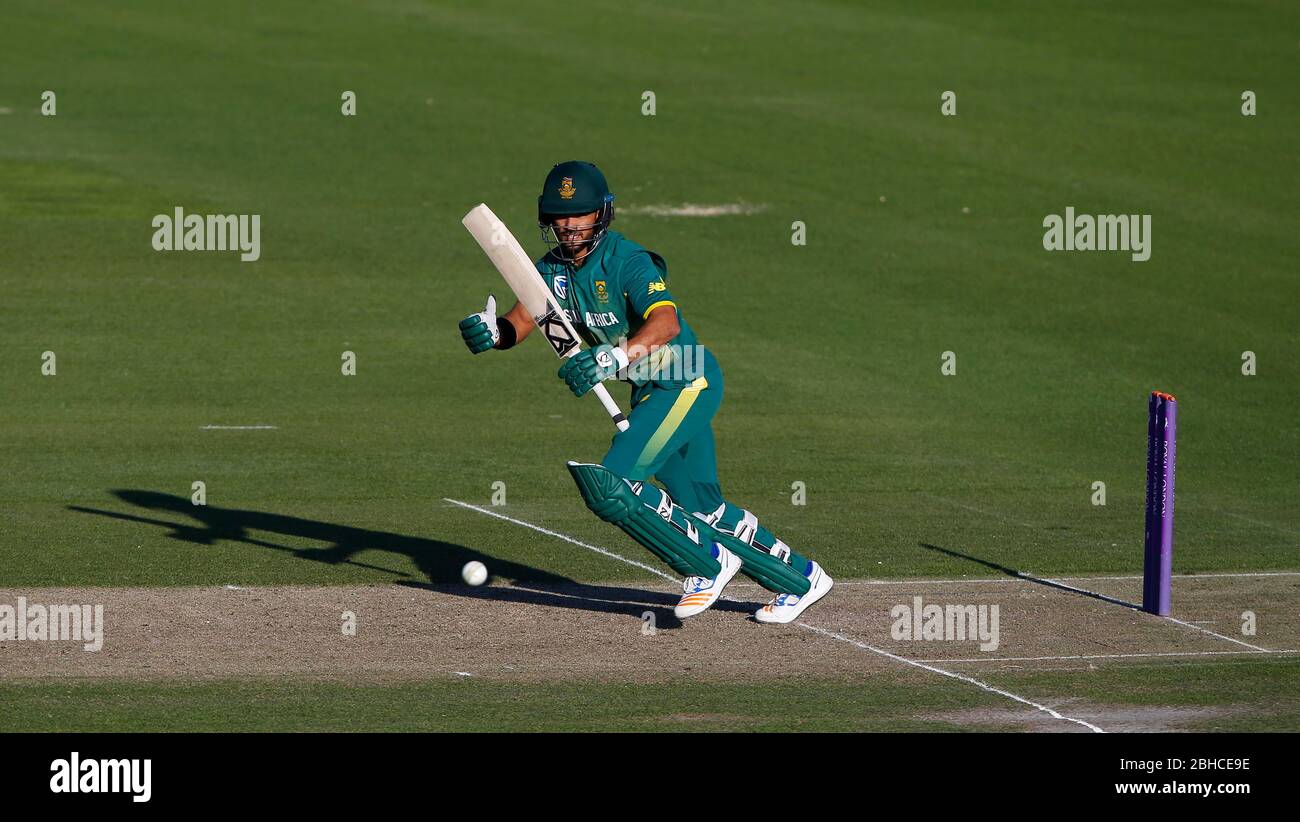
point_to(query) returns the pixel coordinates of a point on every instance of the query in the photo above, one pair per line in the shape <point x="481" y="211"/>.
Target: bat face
<point x="510" y="259"/>
<point x="521" y="275"/>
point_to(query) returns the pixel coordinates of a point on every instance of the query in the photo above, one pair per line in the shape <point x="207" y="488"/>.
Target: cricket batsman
<point x="616" y="295"/>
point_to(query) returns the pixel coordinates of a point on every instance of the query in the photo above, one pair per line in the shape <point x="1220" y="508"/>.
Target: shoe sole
<point x="806" y="602"/>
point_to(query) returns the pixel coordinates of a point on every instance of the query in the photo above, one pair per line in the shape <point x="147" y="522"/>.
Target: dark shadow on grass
<point x="439" y="562"/>
<point x="1012" y="572"/>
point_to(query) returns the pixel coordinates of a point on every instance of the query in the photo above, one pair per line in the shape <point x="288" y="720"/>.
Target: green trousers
<point x="671" y="439"/>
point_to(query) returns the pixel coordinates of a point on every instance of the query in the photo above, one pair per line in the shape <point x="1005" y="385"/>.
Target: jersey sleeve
<point x="645" y="286"/>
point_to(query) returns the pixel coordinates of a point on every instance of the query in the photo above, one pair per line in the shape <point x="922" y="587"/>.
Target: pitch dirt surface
<point x="595" y="633"/>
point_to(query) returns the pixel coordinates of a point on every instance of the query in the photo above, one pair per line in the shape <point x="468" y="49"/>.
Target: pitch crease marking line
<point x="1207" y="576"/>
<point x="1106" y="656"/>
<point x="557" y="535"/>
<point x="1114" y="601"/>
<point x="1083" y="591"/>
<point x="1005" y="580"/>
<point x="1220" y="636"/>
<point x="983" y="685"/>
<point x="806" y="626"/>
<point x="237" y="427"/>
<point x="1105" y="598"/>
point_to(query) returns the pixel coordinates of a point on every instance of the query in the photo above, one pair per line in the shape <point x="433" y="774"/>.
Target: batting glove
<point x="588" y="368"/>
<point x="479" y="331"/>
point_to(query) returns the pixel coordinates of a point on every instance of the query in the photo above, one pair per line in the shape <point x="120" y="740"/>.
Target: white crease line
<point x="1005" y="580"/>
<point x="983" y="685"/>
<point x="1206" y="576"/>
<point x="237" y="428"/>
<point x="1105" y="656"/>
<point x="886" y="582"/>
<point x="1134" y="607"/>
<point x="1061" y="586"/>
<point x="1214" y="633"/>
<point x="557" y="535"/>
<point x="969" y="680"/>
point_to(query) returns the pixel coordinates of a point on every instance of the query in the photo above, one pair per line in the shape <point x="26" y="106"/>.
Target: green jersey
<point x="609" y="298"/>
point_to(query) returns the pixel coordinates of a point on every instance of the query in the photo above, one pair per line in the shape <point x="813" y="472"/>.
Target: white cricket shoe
<point x="787" y="607"/>
<point x="699" y="593"/>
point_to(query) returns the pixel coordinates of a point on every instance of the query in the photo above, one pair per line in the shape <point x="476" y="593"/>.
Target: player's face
<point x="574" y="232"/>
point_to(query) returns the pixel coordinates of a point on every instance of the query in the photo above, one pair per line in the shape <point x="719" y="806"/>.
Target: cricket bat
<point x="521" y="275"/>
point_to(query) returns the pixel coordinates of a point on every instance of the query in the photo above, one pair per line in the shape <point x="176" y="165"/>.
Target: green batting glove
<point x="479" y="331"/>
<point x="588" y="368"/>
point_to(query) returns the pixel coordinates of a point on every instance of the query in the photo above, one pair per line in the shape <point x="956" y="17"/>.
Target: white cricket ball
<point x="474" y="573"/>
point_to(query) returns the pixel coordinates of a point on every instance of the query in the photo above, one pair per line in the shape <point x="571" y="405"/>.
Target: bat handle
<point x="615" y="414"/>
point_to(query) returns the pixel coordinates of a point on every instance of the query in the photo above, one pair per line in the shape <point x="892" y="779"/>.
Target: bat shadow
<point x="438" y="562"/>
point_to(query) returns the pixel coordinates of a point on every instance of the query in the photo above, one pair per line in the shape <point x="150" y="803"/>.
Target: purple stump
<point x="1162" y="427"/>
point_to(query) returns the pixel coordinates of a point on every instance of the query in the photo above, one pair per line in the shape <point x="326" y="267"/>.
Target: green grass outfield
<point x="924" y="236"/>
<point x="1190" y="697"/>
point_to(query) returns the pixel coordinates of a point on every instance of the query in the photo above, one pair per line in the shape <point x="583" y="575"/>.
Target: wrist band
<point x="509" y="337"/>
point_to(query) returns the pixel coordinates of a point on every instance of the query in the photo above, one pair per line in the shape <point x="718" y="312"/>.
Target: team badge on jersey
<point x="601" y="292"/>
<point x="561" y="286"/>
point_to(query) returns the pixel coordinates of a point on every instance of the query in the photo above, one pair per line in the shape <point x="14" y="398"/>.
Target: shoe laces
<point x="693" y="585"/>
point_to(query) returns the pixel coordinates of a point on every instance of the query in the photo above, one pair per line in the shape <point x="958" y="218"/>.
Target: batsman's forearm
<point x="660" y="327"/>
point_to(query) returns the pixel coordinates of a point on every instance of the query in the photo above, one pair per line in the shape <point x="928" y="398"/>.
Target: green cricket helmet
<point x="574" y="187"/>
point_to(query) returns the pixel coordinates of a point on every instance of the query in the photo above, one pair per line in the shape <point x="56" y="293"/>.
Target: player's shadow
<point x="439" y="563"/>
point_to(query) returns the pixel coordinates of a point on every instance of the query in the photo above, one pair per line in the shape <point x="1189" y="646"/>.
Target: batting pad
<point x="765" y="559"/>
<point x="648" y="516"/>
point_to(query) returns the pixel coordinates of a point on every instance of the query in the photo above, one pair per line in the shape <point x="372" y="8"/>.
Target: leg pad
<point x="773" y="566"/>
<point x="649" y="516"/>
